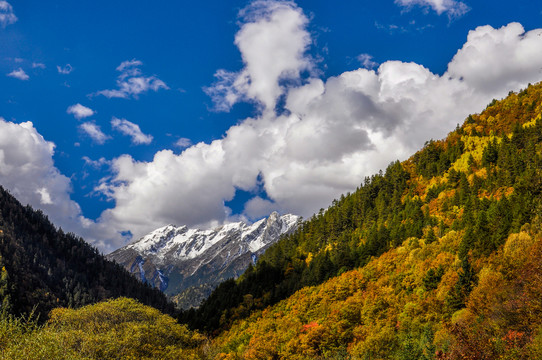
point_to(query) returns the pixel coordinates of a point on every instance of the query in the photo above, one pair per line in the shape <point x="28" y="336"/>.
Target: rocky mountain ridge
<point x="189" y="263"/>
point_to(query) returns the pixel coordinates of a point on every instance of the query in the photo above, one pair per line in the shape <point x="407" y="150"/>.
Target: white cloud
<point x="91" y="129"/>
<point x="196" y="180"/>
<point x="64" y="70"/>
<point x="129" y="128"/>
<point x="451" y="7"/>
<point x="183" y="143"/>
<point x="45" y="196"/>
<point x="497" y="58"/>
<point x="130" y="67"/>
<point x="97" y="164"/>
<point x="38" y="65"/>
<point x="333" y="134"/>
<point x="366" y="61"/>
<point x="27" y="170"/>
<point x="19" y="74"/>
<point x="79" y="111"/>
<point x="257" y="208"/>
<point x="131" y="82"/>
<point x="267" y="57"/>
<point x="7" y="17"/>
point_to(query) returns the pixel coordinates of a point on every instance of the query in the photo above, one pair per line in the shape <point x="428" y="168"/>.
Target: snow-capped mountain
<point x="190" y="263"/>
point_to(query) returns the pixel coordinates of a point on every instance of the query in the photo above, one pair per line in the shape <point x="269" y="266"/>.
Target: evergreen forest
<point x="43" y="268"/>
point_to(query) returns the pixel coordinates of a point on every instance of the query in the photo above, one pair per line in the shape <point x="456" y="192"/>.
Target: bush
<point x="115" y="329"/>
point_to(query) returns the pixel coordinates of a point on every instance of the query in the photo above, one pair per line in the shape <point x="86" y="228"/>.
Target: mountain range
<point x="187" y="264"/>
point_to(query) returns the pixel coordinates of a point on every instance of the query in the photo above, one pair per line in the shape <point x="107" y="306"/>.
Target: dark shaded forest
<point x="42" y="267"/>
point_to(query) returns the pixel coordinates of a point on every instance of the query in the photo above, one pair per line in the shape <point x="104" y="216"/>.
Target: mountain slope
<point x="401" y="306"/>
<point x="483" y="181"/>
<point x="44" y="267"/>
<point x="190" y="263"/>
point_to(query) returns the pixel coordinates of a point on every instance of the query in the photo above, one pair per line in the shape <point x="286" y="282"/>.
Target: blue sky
<point x="119" y="117"/>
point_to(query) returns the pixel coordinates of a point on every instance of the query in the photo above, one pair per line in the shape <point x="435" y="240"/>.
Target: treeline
<point x="43" y="268"/>
<point x="484" y="180"/>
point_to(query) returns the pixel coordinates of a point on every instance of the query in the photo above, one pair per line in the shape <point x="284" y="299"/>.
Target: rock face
<point x="187" y="264"/>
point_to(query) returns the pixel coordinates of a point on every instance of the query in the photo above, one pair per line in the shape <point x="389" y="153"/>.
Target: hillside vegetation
<point x="114" y="329"/>
<point x="42" y="267"/>
<point x="447" y="247"/>
<point x="418" y="301"/>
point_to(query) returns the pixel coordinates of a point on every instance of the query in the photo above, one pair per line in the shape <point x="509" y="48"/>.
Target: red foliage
<point x="308" y="326"/>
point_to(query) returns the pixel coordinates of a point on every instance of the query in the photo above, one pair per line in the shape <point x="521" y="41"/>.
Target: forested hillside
<point x="45" y="268"/>
<point x="457" y="201"/>
<point x="417" y="301"/>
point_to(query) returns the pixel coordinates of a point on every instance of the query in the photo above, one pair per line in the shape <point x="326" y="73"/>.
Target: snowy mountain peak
<point x="177" y="258"/>
<point x="188" y="243"/>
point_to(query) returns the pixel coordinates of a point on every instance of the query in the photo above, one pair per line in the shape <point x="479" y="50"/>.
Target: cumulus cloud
<point x="80" y="111"/>
<point x="330" y="134"/>
<point x="7" y="17"/>
<point x="94" y="132"/>
<point x="130" y="129"/>
<point x="194" y="180"/>
<point x="131" y="82"/>
<point x="451" y="7"/>
<point x="19" y="74"/>
<point x="130" y="67"/>
<point x="498" y="58"/>
<point x="324" y="138"/>
<point x="28" y="171"/>
<point x="64" y="70"/>
<point x="273" y="42"/>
